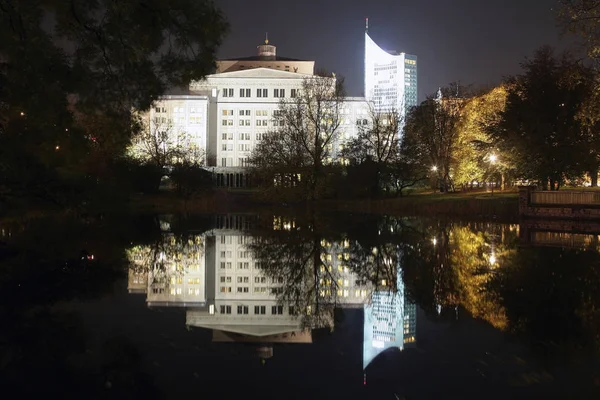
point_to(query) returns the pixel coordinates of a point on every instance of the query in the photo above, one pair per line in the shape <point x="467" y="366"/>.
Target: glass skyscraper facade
<point x="390" y="79"/>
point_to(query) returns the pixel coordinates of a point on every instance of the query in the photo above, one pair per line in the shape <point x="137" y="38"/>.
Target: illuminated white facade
<point x="184" y="117"/>
<point x="390" y="79"/>
<point x="227" y="113"/>
<point x="241" y="107"/>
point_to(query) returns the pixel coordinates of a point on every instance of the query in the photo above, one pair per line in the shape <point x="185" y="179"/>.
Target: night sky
<point x="471" y="41"/>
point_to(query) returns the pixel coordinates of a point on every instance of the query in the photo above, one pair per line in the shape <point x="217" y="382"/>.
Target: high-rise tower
<point x="390" y="79"/>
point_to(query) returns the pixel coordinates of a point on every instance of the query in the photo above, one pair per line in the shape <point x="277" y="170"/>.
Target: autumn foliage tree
<point x="432" y="132"/>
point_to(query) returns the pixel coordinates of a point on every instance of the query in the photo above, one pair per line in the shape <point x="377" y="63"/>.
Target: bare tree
<point x="307" y="127"/>
<point x="160" y="144"/>
<point x="378" y="142"/>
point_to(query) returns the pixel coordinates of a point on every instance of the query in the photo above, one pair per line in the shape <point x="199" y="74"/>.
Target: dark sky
<point x="472" y="41"/>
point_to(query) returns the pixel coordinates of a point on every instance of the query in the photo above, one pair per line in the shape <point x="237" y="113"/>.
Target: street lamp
<point x="434" y="183"/>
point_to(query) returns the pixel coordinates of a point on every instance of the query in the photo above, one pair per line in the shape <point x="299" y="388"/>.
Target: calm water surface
<point x="315" y="306"/>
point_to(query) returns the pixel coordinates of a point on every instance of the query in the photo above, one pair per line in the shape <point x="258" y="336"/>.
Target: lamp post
<point x="493" y="159"/>
<point x="434" y="170"/>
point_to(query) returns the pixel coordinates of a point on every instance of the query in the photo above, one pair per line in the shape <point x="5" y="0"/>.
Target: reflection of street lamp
<point x="493" y="159"/>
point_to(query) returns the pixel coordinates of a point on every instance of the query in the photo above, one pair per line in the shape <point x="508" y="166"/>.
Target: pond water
<point x="290" y="306"/>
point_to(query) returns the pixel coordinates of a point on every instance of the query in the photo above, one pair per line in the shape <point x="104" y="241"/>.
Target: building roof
<point x="262" y="58"/>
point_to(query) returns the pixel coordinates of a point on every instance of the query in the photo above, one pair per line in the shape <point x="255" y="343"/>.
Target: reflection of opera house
<point x="215" y="277"/>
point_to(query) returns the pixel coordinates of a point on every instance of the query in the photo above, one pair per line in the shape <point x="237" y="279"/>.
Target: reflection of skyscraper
<point x="390" y="79"/>
<point x="389" y="322"/>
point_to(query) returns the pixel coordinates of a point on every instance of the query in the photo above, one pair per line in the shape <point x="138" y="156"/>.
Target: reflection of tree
<point x="376" y="265"/>
<point x="449" y="265"/>
<point x="551" y="295"/>
<point x="41" y="269"/>
<point x="167" y="260"/>
<point x="427" y="270"/>
<point x="473" y="264"/>
<point x="308" y="285"/>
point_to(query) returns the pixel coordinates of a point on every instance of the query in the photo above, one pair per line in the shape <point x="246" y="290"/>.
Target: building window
<point x="244" y="147"/>
<point x="260" y="310"/>
<point x="262" y="93"/>
<point x="244" y="122"/>
<point x="244" y="112"/>
<point x="244" y="136"/>
<point x="227" y="92"/>
<point x="279" y="93"/>
<point x="223" y="162"/>
<point x="242" y="310"/>
<point x="293" y="93"/>
<point x="277" y="310"/>
<point x="227" y="112"/>
<point x="225" y="289"/>
<point x="260" y="136"/>
<point x="262" y="122"/>
<point x="244" y="92"/>
<point x="225" y="309"/>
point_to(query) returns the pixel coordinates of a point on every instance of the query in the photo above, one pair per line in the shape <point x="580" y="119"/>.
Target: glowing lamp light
<point x="57" y="147"/>
<point x="492" y="259"/>
<point x="434" y="241"/>
<point x="434" y="168"/>
<point x="22" y="113"/>
<point x="493" y="158"/>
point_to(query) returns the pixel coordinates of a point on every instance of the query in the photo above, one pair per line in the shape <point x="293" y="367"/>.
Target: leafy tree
<point x="308" y="127"/>
<point x="582" y="17"/>
<point x="72" y="84"/>
<point x="190" y="178"/>
<point x="432" y="133"/>
<point x="540" y="124"/>
<point x="474" y="148"/>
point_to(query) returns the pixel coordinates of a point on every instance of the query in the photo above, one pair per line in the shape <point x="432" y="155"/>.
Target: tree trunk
<point x="594" y="177"/>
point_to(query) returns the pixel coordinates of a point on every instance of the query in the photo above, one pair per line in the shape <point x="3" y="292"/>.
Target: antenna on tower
<point x="266" y="37"/>
<point x="367" y="24"/>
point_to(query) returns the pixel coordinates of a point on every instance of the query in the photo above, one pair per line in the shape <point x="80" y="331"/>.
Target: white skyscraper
<point x="390" y="79"/>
